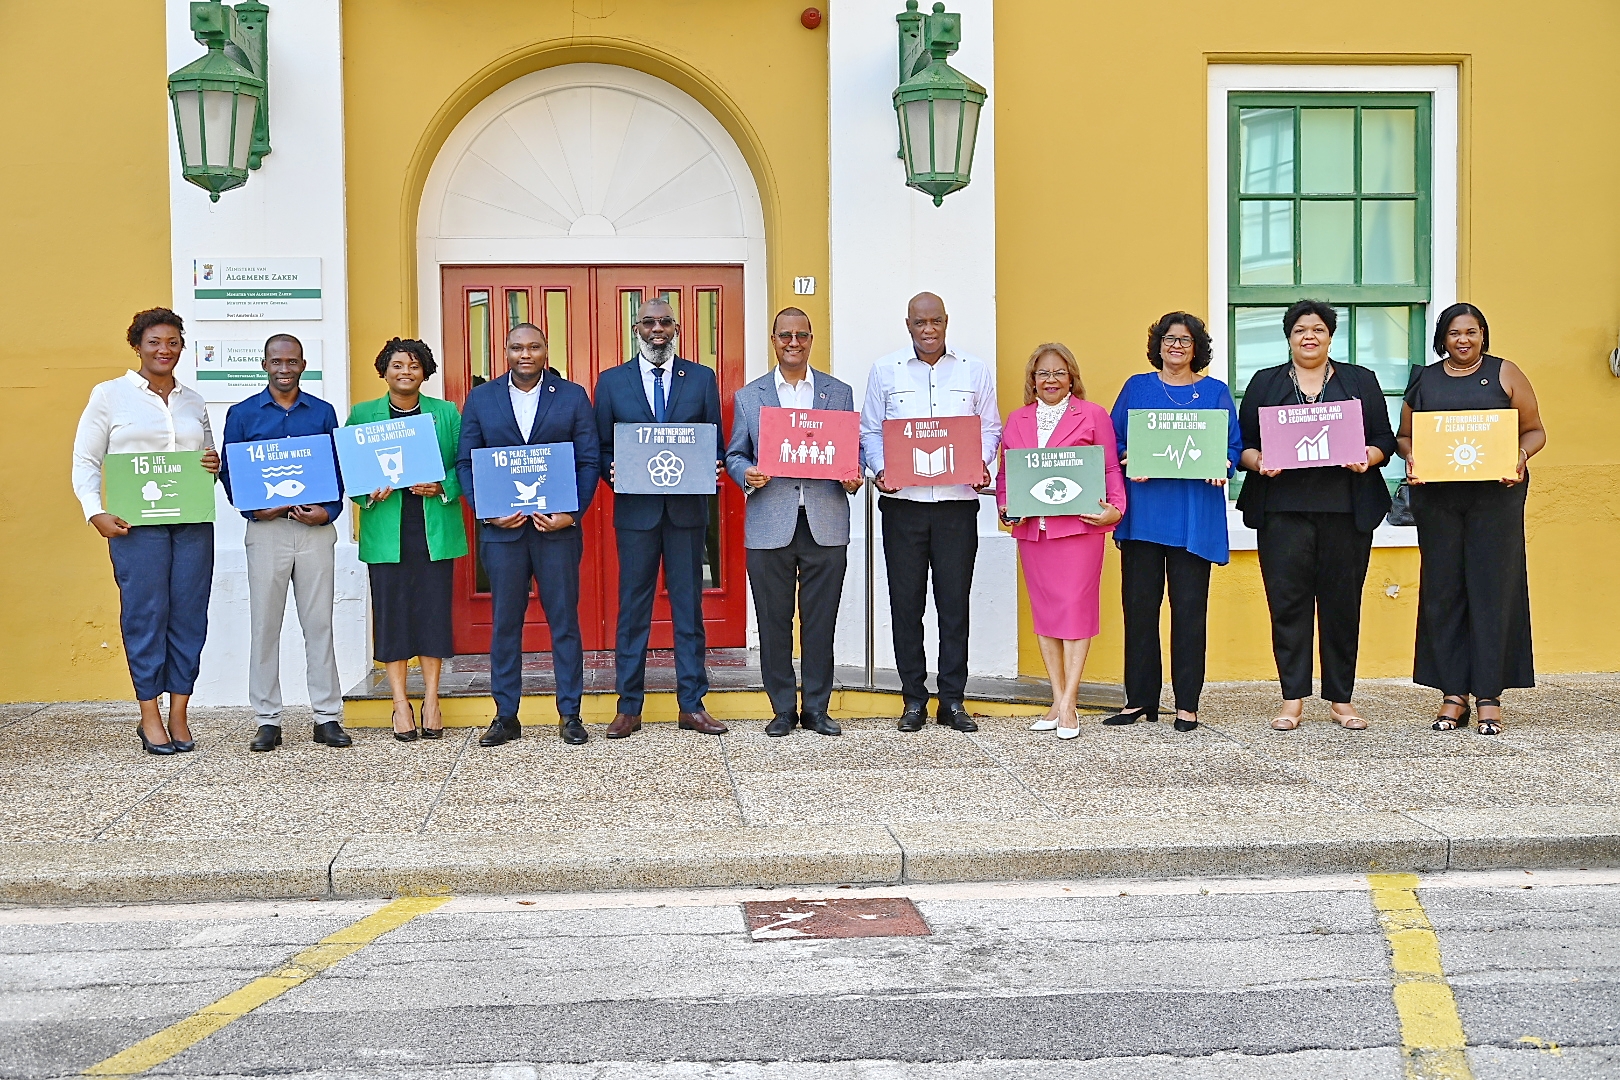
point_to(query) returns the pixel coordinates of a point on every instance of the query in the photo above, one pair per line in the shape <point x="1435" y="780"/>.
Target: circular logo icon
<point x="665" y="469"/>
<point x="1056" y="490"/>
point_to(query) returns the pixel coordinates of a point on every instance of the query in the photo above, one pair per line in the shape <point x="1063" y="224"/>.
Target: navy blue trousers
<point x="165" y="574"/>
<point x="681" y="551"/>
<point x="552" y="561"/>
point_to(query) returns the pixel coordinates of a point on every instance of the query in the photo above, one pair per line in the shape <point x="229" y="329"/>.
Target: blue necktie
<point x="658" y="393"/>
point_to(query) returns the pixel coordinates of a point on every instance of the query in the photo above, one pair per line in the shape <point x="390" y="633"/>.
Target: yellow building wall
<point x="84" y="244"/>
<point x="411" y="71"/>
<point x="1102" y="226"/>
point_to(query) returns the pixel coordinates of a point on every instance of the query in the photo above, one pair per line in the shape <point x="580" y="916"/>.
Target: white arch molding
<point x="591" y="164"/>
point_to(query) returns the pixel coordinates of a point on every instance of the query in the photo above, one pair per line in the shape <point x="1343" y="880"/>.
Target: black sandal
<point x="1442" y="722"/>
<point x="1489" y="727"/>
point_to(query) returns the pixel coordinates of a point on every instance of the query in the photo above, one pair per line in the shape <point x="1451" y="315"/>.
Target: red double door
<point x="588" y="316"/>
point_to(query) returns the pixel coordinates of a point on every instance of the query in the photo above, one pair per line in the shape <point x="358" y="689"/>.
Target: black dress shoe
<point x="955" y="716"/>
<point x="331" y="733"/>
<point x="1125" y="719"/>
<point x="268" y="737"/>
<point x="502" y="729"/>
<point x="572" y="731"/>
<point x="160" y="749"/>
<point x="821" y="724"/>
<point x="781" y="724"/>
<point x="914" y="717"/>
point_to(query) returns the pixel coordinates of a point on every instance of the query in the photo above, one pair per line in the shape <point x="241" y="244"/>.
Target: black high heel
<point x="1489" y="727"/>
<point x="1125" y="719"/>
<point x="1443" y="722"/>
<point x="411" y="735"/>
<point x="160" y="749"/>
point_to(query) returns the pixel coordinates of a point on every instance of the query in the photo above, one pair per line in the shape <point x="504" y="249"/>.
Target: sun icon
<point x="1465" y="455"/>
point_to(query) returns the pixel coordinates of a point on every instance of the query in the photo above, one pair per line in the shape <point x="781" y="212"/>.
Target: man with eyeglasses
<point x="658" y="387"/>
<point x="933" y="528"/>
<point x="796" y="533"/>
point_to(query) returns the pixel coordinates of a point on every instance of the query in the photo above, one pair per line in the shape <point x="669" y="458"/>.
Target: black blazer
<point x="563" y="415"/>
<point x="1272" y="386"/>
<point x="694" y="398"/>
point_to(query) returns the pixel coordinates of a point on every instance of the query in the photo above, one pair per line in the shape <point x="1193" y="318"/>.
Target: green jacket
<point x="379" y="522"/>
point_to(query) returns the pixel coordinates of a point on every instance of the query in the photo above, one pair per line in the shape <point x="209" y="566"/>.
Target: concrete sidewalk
<point x="88" y="818"/>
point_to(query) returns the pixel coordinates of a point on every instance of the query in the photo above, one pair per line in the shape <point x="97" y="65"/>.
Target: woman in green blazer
<point x="409" y="540"/>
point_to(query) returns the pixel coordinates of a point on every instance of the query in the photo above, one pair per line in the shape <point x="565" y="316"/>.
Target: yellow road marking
<point x="1433" y="1046"/>
<point x="182" y="1035"/>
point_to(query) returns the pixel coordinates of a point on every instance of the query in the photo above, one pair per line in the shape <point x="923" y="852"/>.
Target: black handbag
<point x="1400" y="506"/>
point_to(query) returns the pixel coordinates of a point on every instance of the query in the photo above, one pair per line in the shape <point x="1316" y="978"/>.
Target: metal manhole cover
<point x="839" y="917"/>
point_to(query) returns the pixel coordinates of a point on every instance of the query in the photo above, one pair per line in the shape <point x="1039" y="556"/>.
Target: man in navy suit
<point x="532" y="404"/>
<point x="659" y="387"/>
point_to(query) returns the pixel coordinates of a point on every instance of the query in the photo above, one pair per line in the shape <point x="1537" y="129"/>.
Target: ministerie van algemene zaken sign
<point x="256" y="288"/>
<point x="231" y="371"/>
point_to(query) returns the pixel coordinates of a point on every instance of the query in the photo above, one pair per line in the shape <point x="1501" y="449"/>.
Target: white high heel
<point x="1071" y="733"/>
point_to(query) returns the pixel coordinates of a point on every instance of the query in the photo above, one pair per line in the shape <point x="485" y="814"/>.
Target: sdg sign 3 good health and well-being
<point x="1055" y="482"/>
<point x="1310" y="436"/>
<point x="811" y="444"/>
<point x="928" y="451"/>
<point x="169" y="488"/>
<point x="536" y="479"/>
<point x="1186" y="444"/>
<point x="299" y="471"/>
<point x="397" y="453"/>
<point x="664" y="459"/>
<point x="1449" y="446"/>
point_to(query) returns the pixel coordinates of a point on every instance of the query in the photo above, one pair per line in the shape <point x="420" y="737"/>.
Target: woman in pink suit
<point x="1062" y="555"/>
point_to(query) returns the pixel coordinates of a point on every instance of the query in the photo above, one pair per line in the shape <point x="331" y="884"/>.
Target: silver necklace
<point x="1184" y="404"/>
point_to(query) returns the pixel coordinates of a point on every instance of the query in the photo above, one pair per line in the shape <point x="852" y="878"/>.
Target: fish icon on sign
<point x="287" y="489"/>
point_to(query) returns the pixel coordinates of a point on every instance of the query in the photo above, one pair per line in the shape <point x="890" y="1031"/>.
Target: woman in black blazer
<point x="1315" y="524"/>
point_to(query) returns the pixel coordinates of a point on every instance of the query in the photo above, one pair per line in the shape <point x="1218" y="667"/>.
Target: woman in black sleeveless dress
<point x="1473" y="628"/>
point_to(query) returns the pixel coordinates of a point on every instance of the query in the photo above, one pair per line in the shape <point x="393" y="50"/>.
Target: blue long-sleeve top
<point x="1187" y="514"/>
<point x="259" y="418"/>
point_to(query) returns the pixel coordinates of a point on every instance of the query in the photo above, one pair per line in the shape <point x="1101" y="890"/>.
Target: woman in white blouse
<point x="164" y="572"/>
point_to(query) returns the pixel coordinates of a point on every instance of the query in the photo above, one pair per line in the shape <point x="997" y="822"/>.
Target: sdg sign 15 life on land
<point x="171" y="488"/>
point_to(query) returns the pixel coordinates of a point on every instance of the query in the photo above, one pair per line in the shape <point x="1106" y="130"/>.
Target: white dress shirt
<point x="525" y="404"/>
<point x="125" y="416"/>
<point x="647" y="380"/>
<point x="901" y="387"/>
<point x="802" y="396"/>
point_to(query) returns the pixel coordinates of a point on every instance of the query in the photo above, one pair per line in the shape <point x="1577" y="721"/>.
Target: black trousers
<point x="812" y="576"/>
<point x="1473" y="625"/>
<point x="919" y="537"/>
<point x="1144" y="569"/>
<point x="1313" y="565"/>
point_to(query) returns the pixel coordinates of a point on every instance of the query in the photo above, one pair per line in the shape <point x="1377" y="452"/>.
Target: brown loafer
<point x="624" y="725"/>
<point x="702" y="721"/>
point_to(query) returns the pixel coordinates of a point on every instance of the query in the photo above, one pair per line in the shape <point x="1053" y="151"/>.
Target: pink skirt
<point x="1064" y="579"/>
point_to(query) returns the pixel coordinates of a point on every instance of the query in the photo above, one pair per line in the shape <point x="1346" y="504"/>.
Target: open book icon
<point x="933" y="462"/>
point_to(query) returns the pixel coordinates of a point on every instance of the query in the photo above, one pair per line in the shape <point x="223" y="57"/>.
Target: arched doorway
<point x="564" y="199"/>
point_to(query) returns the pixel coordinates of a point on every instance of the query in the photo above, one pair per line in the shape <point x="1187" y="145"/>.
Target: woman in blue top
<point x="1173" y="530"/>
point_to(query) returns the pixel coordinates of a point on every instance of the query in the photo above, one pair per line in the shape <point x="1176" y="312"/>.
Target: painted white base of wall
<point x="225" y="659"/>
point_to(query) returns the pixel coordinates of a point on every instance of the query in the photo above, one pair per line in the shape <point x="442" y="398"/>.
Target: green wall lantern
<point x="221" y="100"/>
<point x="937" y="105"/>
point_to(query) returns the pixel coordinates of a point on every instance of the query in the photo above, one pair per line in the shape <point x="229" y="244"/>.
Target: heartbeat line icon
<point x="1180" y="456"/>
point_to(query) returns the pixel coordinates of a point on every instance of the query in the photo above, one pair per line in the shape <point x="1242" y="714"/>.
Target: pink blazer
<point x="1085" y="424"/>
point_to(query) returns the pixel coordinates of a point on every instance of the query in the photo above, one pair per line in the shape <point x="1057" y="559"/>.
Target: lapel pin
<point x="553" y="389"/>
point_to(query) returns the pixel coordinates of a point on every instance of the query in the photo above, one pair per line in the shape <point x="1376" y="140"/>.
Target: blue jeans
<point x="164" y="575"/>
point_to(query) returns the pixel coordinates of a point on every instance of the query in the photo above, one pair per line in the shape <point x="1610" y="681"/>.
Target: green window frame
<point x="1330" y="195"/>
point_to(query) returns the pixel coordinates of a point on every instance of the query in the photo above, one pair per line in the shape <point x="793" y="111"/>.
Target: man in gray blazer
<point x="797" y="533"/>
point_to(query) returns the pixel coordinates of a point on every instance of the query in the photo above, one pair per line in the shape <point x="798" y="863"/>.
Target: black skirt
<point x="410" y="599"/>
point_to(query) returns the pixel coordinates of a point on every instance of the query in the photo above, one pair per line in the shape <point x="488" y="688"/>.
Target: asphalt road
<point x="1123" y="980"/>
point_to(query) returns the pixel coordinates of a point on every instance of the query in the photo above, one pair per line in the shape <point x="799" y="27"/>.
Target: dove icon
<point x="287" y="489"/>
<point x="529" y="494"/>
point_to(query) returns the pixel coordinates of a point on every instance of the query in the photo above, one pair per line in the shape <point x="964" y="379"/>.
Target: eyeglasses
<point x="788" y="337"/>
<point x="1042" y="376"/>
<point x="666" y="322"/>
<point x="1177" y="342"/>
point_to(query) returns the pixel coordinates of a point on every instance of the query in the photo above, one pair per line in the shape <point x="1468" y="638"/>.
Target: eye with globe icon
<point x="1056" y="490"/>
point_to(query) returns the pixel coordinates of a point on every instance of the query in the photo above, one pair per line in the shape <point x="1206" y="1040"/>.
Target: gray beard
<point x="658" y="355"/>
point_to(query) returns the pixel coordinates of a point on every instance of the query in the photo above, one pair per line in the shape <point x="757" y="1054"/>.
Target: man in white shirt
<point x="935" y="527"/>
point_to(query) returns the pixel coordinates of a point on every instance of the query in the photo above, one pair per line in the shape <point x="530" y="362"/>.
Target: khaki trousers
<point x="280" y="551"/>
